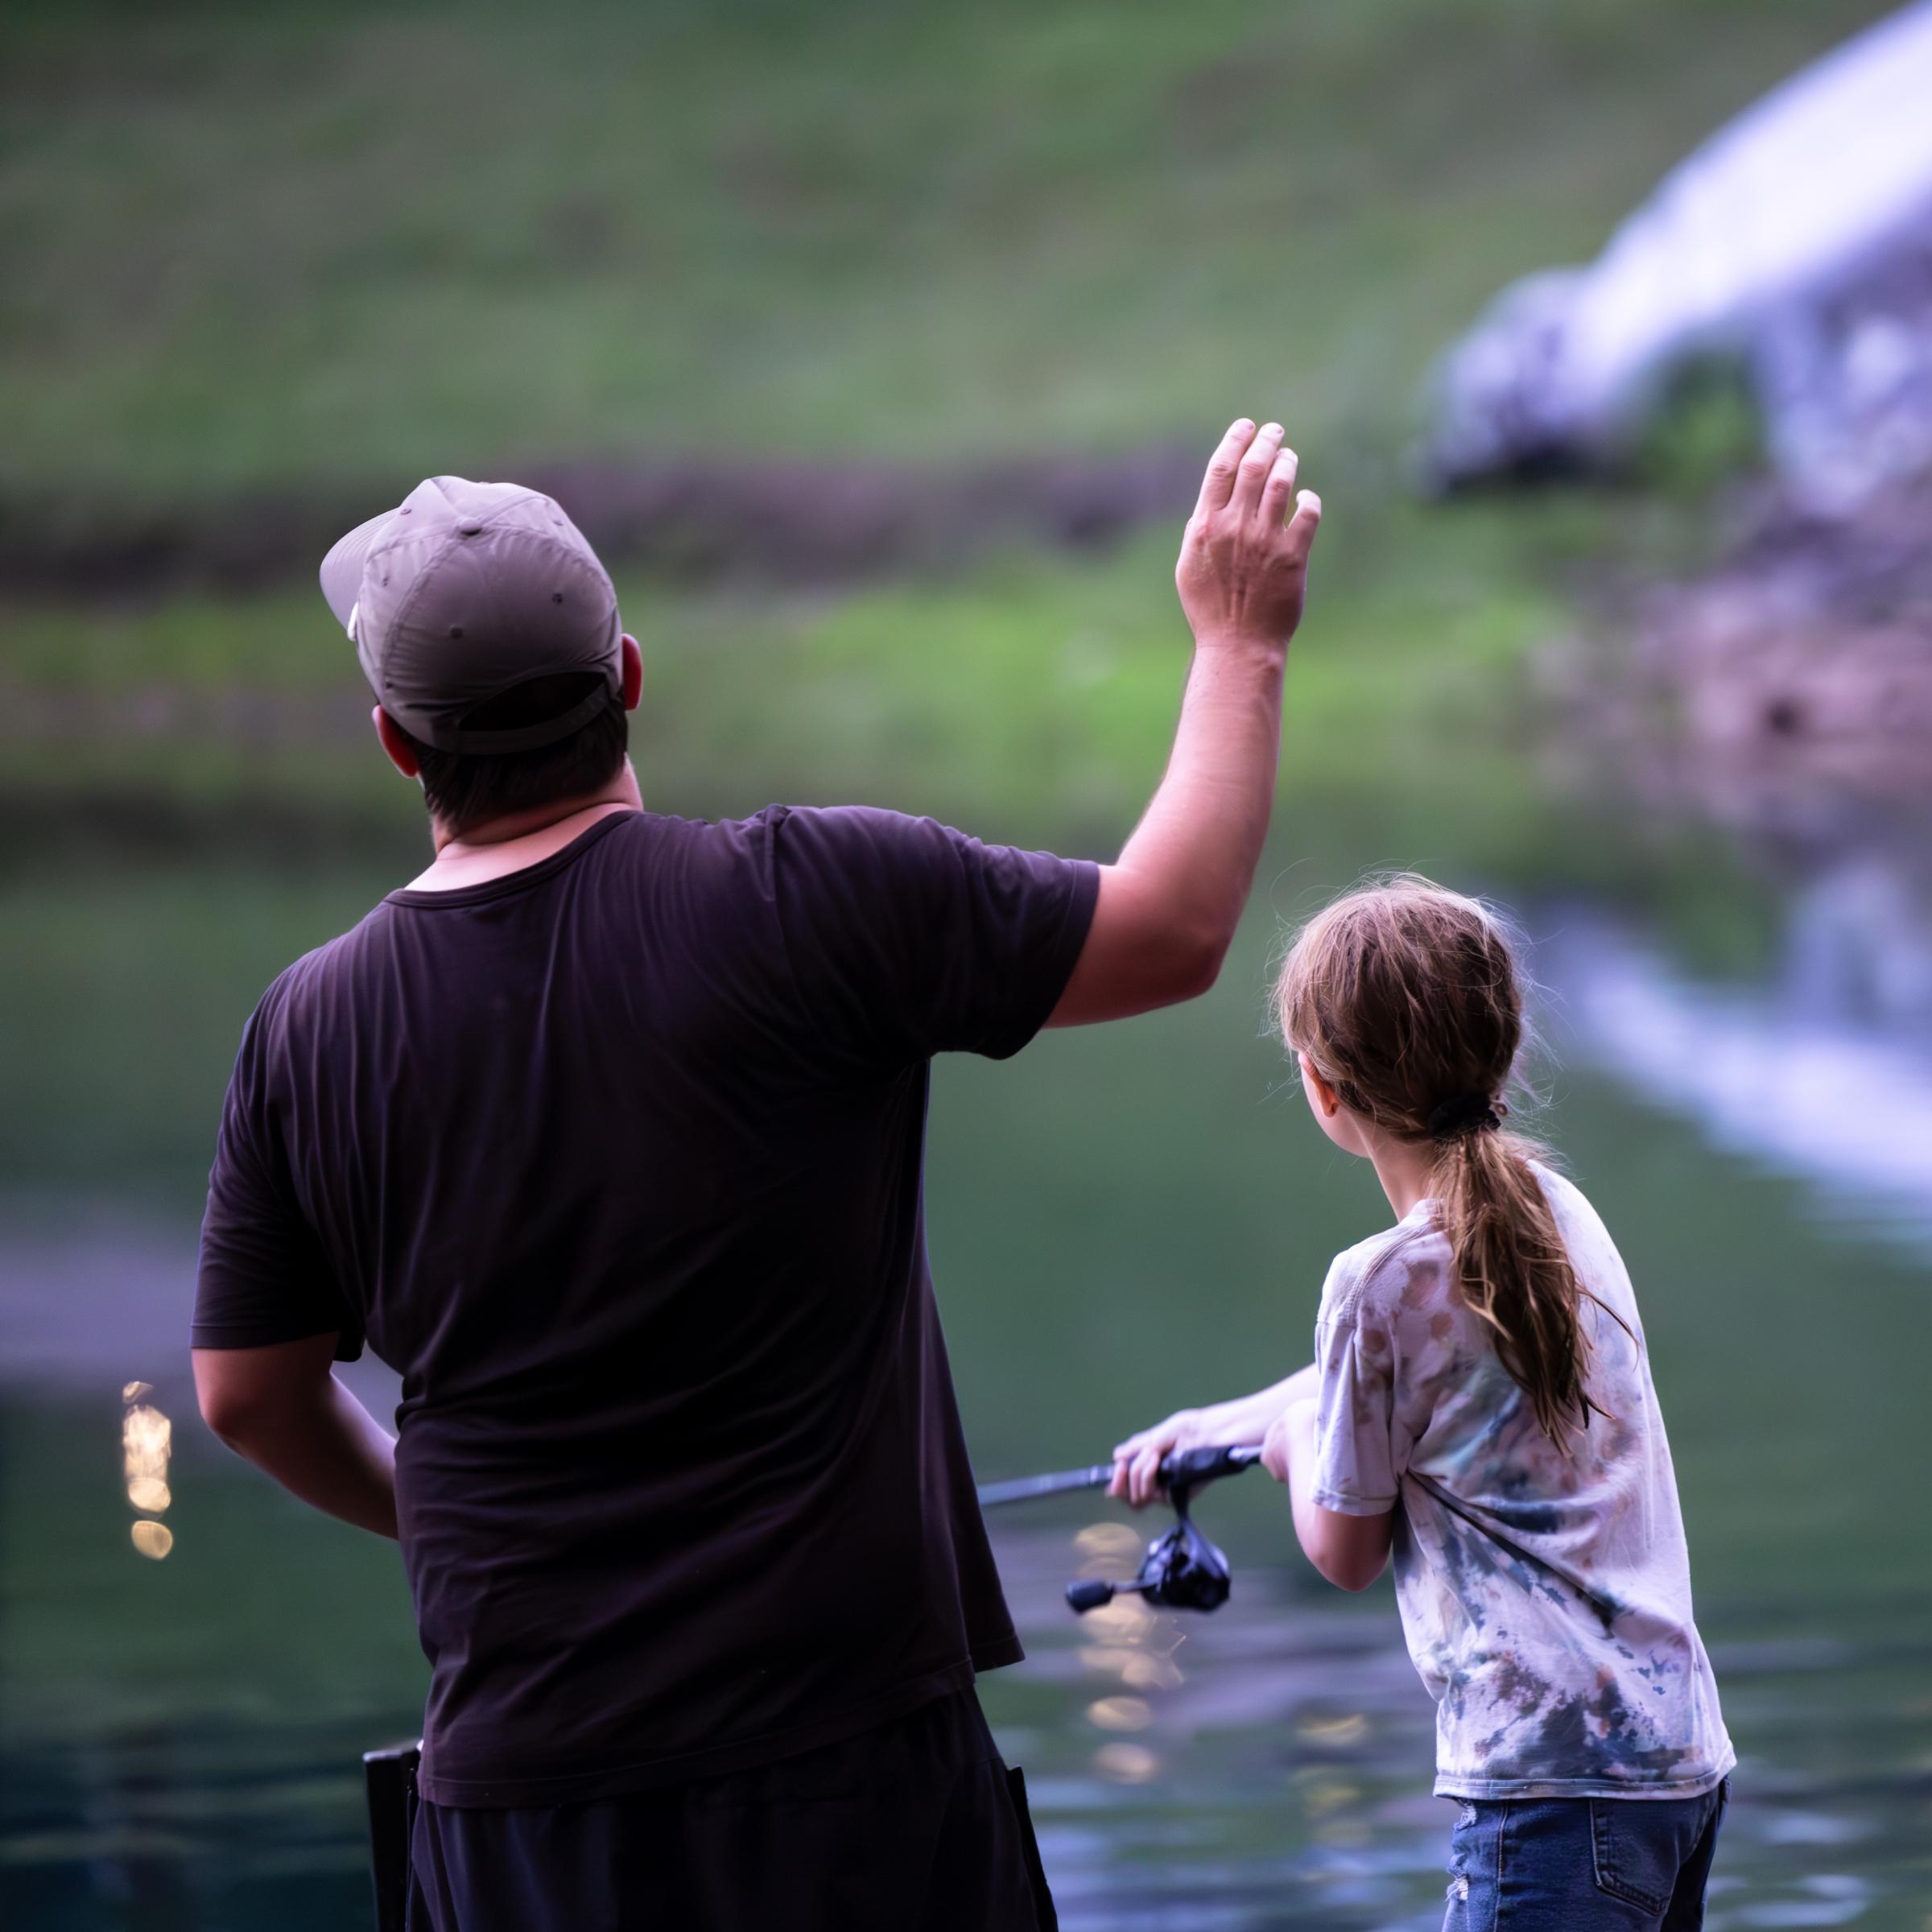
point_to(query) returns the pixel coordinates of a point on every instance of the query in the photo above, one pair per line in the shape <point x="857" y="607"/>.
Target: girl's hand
<point x="1137" y="1462"/>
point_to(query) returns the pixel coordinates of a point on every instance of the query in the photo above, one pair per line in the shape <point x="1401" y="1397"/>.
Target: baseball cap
<point x="464" y="592"/>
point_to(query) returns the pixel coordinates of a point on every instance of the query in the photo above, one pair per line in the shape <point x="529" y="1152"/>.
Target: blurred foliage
<point x="1033" y="692"/>
<point x="989" y="680"/>
<point x="249" y="246"/>
<point x="253" y="250"/>
<point x="1706" y="430"/>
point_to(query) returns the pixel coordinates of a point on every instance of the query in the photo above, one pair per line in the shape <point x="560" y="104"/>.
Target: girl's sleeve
<point x="1356" y="1467"/>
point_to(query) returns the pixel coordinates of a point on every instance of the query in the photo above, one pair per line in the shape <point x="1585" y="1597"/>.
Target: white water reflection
<point x="1825" y="1074"/>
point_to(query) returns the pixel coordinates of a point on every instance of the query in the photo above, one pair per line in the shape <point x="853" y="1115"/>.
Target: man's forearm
<point x="1196" y="847"/>
<point x="328" y="1450"/>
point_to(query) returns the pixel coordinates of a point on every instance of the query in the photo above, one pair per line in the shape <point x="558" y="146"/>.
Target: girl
<point x="1480" y="1402"/>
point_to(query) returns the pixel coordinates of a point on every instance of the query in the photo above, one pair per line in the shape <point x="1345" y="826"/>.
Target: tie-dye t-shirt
<point x="1545" y="1597"/>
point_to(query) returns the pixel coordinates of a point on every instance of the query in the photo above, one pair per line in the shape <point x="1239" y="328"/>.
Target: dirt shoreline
<point x="1787" y="689"/>
<point x="786" y="522"/>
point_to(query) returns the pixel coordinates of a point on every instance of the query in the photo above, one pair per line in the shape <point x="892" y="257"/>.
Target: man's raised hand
<point x="1169" y="905"/>
<point x="1244" y="563"/>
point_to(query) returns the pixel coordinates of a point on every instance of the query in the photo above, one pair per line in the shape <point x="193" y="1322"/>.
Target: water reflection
<point x="1825" y="1072"/>
<point x="152" y="1539"/>
<point x="1126" y="1764"/>
<point x="195" y="1766"/>
<point x="147" y="1446"/>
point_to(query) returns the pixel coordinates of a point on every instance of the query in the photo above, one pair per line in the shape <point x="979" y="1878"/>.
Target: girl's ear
<point x="1330" y="1100"/>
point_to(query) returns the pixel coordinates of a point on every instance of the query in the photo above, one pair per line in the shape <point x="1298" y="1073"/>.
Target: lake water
<point x="1123" y="1221"/>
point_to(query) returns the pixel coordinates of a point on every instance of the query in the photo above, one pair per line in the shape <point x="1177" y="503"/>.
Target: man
<point x="607" y="1134"/>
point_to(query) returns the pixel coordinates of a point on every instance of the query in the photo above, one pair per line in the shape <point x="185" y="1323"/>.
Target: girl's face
<point x="1336" y="1120"/>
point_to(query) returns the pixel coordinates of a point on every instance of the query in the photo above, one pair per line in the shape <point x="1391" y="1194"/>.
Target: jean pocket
<point x="1635" y="1861"/>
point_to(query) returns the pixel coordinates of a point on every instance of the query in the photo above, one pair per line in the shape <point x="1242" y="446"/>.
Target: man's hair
<point x="464" y="790"/>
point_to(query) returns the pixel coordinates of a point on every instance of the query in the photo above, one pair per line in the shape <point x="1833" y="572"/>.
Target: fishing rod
<point x="1181" y="1569"/>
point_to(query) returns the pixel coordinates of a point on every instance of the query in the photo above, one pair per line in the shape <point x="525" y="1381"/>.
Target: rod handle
<point x="1188" y="1466"/>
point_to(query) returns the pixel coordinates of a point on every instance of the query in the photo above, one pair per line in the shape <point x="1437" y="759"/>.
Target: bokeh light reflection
<point x="147" y="1443"/>
<point x="152" y="1539"/>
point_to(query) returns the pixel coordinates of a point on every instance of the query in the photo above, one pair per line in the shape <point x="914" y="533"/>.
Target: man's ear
<point x="634" y="672"/>
<point x="395" y="744"/>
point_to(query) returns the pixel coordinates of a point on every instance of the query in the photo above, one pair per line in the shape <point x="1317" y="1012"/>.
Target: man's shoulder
<point x="756" y="835"/>
<point x="751" y="851"/>
<point x="808" y="850"/>
<point x="315" y="972"/>
<point x="797" y="834"/>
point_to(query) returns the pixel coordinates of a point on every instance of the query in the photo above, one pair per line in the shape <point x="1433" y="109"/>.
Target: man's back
<point x="608" y="1135"/>
<point x="616" y="1160"/>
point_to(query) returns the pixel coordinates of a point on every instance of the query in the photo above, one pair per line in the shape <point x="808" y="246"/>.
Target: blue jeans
<point x="1574" y="1864"/>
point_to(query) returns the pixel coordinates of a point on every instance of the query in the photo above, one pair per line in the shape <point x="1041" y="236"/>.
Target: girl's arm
<point x="1137" y="1462"/>
<point x="1351" y="1551"/>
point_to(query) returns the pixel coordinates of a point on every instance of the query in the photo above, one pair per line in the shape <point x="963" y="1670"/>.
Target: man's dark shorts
<point x="916" y="1826"/>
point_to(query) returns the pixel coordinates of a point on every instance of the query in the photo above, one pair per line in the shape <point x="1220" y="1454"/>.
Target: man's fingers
<point x="1304" y="524"/>
<point x="1217" y="485"/>
<point x="1280" y="488"/>
<point x="1250" y="473"/>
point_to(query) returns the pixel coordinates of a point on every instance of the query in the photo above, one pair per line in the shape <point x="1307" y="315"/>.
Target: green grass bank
<point x="243" y="247"/>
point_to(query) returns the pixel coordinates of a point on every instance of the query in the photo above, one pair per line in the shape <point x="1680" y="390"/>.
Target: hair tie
<point x="1465" y="1113"/>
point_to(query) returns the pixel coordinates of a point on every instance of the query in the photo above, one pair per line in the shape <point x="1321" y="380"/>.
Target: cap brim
<point x="342" y="568"/>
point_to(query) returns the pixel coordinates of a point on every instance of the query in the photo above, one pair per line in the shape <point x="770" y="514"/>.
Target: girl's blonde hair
<point x="1408" y="1001"/>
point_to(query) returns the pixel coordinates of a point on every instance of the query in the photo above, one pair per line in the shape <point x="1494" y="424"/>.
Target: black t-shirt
<point x="617" y="1161"/>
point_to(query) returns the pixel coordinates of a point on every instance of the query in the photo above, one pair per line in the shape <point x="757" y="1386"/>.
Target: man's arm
<point x="1168" y="906"/>
<point x="282" y="1409"/>
<point x="1351" y="1551"/>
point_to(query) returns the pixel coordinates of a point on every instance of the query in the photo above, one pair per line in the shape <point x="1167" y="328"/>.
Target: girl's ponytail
<point x="1514" y="1270"/>
<point x="1408" y="1001"/>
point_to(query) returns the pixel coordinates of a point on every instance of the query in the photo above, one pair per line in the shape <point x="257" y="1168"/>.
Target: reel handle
<point x="1089" y="1594"/>
<point x="1187" y="1467"/>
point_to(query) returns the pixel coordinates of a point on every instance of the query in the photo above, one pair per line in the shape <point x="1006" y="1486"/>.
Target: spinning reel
<point x="1181" y="1569"/>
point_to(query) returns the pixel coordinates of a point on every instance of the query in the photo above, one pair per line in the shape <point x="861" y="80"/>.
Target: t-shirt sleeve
<point x="1356" y="1471"/>
<point x="263" y="1277"/>
<point x="905" y="938"/>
